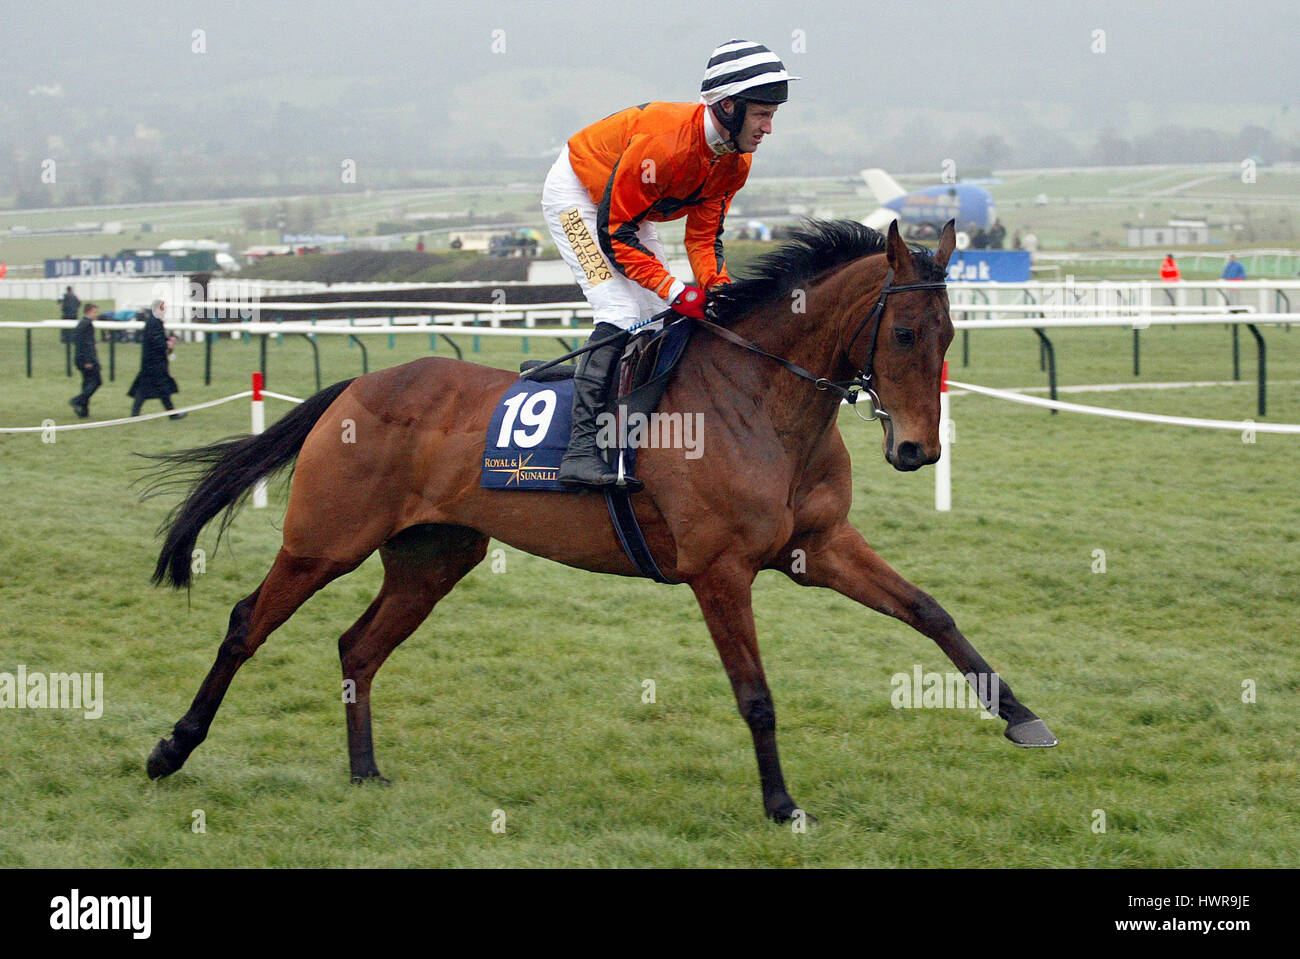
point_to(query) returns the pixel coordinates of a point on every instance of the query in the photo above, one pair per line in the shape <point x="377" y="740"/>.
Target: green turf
<point x="523" y="693"/>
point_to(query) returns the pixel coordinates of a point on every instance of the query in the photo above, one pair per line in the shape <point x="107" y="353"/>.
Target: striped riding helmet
<point x="741" y="68"/>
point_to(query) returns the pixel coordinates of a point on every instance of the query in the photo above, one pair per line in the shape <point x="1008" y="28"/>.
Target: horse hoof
<point x="371" y="778"/>
<point x="1031" y="733"/>
<point x="160" y="764"/>
<point x="789" y="813"/>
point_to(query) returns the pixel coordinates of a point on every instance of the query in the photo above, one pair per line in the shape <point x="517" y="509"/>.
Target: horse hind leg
<point x="289" y="584"/>
<point x="421" y="565"/>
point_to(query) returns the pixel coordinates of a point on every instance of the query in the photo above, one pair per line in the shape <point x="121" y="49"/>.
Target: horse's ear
<point x="947" y="243"/>
<point x="900" y="257"/>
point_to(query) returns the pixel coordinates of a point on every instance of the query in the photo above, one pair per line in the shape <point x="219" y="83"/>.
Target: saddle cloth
<point x="529" y="431"/>
<point x="528" y="435"/>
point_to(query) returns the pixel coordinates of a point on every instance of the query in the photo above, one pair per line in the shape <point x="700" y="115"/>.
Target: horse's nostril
<point x="911" y="454"/>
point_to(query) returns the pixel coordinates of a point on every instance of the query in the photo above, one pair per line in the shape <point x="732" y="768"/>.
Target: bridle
<point x="850" y="391"/>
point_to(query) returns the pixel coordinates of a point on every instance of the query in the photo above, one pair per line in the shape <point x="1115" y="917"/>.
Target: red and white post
<point x="259" y="427"/>
<point x="943" y="468"/>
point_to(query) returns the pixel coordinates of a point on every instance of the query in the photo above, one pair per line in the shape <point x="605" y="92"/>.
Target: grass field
<point x="523" y="692"/>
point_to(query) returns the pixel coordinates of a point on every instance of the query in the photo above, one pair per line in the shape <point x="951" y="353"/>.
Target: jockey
<point x="618" y="177"/>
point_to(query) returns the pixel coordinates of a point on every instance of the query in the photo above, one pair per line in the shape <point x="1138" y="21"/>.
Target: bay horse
<point x="860" y="310"/>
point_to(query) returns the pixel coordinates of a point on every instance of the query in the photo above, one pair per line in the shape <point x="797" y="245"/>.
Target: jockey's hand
<point x="690" y="302"/>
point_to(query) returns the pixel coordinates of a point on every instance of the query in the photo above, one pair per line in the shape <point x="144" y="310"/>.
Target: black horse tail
<point x="221" y="476"/>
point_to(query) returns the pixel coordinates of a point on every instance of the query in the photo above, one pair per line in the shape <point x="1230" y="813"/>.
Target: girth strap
<point x="630" y="535"/>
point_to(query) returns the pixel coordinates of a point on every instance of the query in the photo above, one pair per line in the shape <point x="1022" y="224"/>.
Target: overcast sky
<point x="537" y="71"/>
<point x="1191" y="49"/>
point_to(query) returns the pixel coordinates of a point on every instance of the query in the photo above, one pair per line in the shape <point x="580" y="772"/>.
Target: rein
<point x="847" y="390"/>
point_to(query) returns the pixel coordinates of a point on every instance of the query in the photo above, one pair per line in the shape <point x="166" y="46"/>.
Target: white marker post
<point x="259" y="427"/>
<point x="943" y="468"/>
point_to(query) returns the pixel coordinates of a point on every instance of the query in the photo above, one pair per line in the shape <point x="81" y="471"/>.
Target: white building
<point x="1176" y="233"/>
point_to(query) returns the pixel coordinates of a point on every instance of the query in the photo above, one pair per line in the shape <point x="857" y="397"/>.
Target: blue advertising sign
<point x="84" y="266"/>
<point x="989" y="266"/>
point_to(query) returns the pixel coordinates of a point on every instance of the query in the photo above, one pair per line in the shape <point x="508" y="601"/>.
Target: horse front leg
<point x="725" y="600"/>
<point x="840" y="559"/>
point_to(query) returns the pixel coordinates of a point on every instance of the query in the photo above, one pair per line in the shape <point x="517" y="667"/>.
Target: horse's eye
<point x="904" y="337"/>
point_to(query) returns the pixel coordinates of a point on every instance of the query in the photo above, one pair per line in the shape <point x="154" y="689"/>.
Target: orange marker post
<point x="259" y="427"/>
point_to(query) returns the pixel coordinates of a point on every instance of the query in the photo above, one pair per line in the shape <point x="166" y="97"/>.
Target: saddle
<point x="649" y="361"/>
<point x="529" y="431"/>
<point x="644" y="369"/>
<point x="550" y="374"/>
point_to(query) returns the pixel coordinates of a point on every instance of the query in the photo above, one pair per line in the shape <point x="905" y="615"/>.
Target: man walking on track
<point x="87" y="359"/>
<point x="618" y="177"/>
<point x="154" y="381"/>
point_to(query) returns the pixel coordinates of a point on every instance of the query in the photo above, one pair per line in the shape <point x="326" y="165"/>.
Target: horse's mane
<point x="814" y="248"/>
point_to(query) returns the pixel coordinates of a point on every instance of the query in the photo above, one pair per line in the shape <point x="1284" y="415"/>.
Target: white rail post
<point x="943" y="468"/>
<point x="259" y="427"/>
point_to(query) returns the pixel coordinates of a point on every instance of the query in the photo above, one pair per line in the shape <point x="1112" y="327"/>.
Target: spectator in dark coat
<point x="69" y="305"/>
<point x="154" y="381"/>
<point x="68" y="311"/>
<point x="87" y="360"/>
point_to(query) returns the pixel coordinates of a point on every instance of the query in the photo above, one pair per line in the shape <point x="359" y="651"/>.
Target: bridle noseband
<point x="862" y="384"/>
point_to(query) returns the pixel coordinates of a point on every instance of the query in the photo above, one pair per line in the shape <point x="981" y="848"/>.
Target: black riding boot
<point x="582" y="464"/>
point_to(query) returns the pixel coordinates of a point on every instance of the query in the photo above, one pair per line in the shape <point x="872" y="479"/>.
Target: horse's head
<point x="900" y="349"/>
